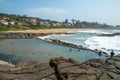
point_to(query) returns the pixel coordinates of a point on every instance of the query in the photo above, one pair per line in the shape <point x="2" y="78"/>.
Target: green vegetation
<point x="18" y="22"/>
<point x="6" y="28"/>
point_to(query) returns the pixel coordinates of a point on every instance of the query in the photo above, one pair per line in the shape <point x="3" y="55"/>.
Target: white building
<point x="12" y="23"/>
<point x="4" y="22"/>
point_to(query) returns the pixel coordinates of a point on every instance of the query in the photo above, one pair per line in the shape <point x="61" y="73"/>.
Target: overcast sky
<point x="102" y="11"/>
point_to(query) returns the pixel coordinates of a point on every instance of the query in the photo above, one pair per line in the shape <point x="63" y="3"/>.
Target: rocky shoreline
<point x="22" y="35"/>
<point x="63" y="69"/>
<point x="19" y="35"/>
<point x="110" y="35"/>
<point x="55" y="41"/>
<point x="11" y="35"/>
<point x="60" y="68"/>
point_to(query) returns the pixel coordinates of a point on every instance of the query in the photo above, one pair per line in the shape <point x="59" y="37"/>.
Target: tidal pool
<point x="35" y="49"/>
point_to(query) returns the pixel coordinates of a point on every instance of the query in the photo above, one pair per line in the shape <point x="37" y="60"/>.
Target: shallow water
<point x="36" y="49"/>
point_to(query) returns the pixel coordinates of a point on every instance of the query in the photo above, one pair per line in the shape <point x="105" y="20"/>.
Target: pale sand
<point x="6" y="63"/>
<point x="63" y="30"/>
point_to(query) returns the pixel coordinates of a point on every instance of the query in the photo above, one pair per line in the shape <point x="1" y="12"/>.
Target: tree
<point x="73" y="21"/>
<point x="66" y="20"/>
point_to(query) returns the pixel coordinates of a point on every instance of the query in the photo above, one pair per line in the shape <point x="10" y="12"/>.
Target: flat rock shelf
<point x="60" y="68"/>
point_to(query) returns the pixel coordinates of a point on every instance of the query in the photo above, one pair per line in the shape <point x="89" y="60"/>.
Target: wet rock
<point x="110" y="35"/>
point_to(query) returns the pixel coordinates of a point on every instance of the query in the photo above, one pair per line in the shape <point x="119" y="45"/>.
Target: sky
<point x="102" y="11"/>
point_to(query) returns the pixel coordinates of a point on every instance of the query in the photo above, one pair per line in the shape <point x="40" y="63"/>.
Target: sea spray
<point x="91" y="40"/>
<point x="104" y="43"/>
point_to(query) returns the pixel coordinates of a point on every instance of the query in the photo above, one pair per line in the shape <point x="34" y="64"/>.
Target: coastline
<point x="59" y="68"/>
<point x="20" y="34"/>
<point x="59" y="42"/>
<point x="48" y="31"/>
<point x="24" y="34"/>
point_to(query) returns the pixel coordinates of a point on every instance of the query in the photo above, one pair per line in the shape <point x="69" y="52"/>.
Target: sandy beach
<point x="62" y="30"/>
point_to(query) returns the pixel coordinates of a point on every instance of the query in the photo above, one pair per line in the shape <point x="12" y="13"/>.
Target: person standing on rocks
<point x="112" y="54"/>
<point x="100" y="53"/>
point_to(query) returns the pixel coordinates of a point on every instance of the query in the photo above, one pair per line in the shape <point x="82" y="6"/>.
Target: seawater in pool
<point x="36" y="49"/>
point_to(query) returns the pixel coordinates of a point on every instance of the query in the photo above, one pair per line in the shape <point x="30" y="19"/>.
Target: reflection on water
<point x="36" y="49"/>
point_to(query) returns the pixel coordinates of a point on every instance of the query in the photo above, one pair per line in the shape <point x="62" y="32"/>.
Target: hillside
<point x="24" y="22"/>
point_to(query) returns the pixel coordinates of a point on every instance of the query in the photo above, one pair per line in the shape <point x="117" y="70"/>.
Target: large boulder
<point x="109" y="67"/>
<point x="62" y="69"/>
<point x="70" y="69"/>
<point x="31" y="70"/>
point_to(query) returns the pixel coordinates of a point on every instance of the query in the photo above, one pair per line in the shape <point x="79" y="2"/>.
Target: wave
<point x="44" y="37"/>
<point x="54" y="36"/>
<point x="91" y="31"/>
<point x="91" y="41"/>
<point x="104" y="43"/>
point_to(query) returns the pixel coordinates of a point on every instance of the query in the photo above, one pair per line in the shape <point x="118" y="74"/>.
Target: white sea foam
<point x="52" y="36"/>
<point x="91" y="31"/>
<point x="91" y="41"/>
<point x="44" y="37"/>
<point x="61" y="35"/>
<point x="104" y="43"/>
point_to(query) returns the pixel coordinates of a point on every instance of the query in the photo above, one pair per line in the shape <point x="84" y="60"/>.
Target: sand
<point x="6" y="63"/>
<point x="63" y="30"/>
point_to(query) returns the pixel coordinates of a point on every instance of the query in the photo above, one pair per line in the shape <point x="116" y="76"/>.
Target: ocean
<point x="91" y="40"/>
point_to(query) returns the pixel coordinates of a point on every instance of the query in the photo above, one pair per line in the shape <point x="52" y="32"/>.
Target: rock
<point x="5" y="66"/>
<point x="28" y="64"/>
<point x="94" y="69"/>
<point x="105" y="77"/>
<point x="17" y="35"/>
<point x="5" y="76"/>
<point x="31" y="70"/>
<point x="118" y="55"/>
<point x="67" y="69"/>
<point x="54" y="62"/>
<point x="113" y="75"/>
<point x="110" y="68"/>
<point x="63" y="69"/>
<point x="6" y="63"/>
<point x="110" y="35"/>
<point x="73" y="61"/>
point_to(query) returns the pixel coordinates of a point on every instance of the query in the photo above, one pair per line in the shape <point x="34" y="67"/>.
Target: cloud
<point x="50" y="11"/>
